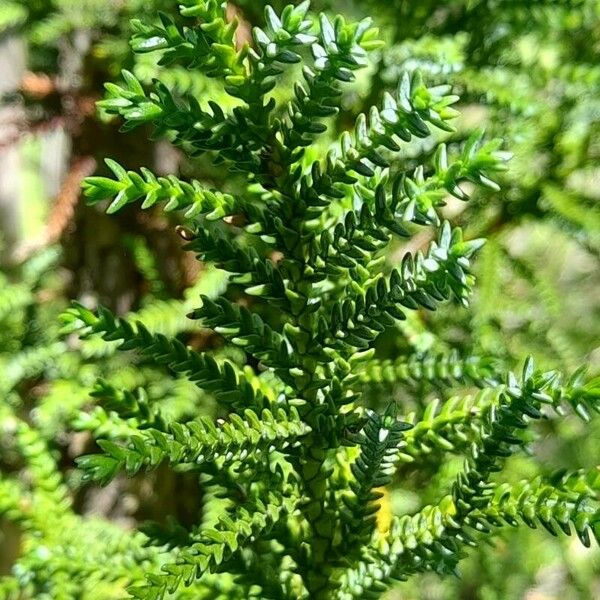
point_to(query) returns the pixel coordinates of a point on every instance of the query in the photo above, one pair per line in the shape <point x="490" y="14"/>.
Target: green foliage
<point x="301" y="465"/>
<point x="528" y="74"/>
<point x="63" y="555"/>
<point x="44" y="388"/>
<point x="331" y="386"/>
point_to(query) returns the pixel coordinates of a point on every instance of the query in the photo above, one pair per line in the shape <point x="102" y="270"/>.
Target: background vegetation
<point x="525" y="72"/>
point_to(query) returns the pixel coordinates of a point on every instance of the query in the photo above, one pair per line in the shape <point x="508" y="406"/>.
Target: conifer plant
<point x="293" y="473"/>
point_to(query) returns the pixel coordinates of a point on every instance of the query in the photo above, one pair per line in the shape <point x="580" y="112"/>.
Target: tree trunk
<point x="12" y="67"/>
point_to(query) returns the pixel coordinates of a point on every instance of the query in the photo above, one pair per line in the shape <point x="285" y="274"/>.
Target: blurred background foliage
<point x="525" y="71"/>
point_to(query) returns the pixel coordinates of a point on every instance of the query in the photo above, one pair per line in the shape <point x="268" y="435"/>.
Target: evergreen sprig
<point x="223" y="380"/>
<point x="190" y="445"/>
<point x="302" y="466"/>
